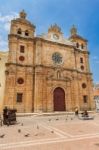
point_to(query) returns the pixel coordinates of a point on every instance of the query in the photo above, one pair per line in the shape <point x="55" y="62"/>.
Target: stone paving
<point x="60" y="132"/>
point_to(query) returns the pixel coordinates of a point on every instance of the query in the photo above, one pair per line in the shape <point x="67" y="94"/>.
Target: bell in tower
<point x="22" y="27"/>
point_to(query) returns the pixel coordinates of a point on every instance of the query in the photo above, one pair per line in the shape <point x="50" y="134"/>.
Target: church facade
<point x="49" y="72"/>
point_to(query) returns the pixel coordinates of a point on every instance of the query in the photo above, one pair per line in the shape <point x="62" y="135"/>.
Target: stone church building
<point x="49" y="72"/>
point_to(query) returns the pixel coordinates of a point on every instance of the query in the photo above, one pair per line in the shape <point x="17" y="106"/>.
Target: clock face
<point x="57" y="58"/>
<point x="55" y="36"/>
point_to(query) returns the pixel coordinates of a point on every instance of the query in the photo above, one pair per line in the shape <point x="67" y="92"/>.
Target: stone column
<point x="29" y="93"/>
<point x="38" y="92"/>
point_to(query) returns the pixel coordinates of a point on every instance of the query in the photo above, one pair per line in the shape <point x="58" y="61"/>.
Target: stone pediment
<point x="55" y="35"/>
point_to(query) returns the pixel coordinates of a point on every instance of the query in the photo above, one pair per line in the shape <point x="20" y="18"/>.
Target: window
<point x="22" y="49"/>
<point x="77" y="45"/>
<point x="21" y="58"/>
<point x="19" y="97"/>
<point x="82" y="68"/>
<point x="85" y="98"/>
<point x="84" y="85"/>
<point x="82" y="46"/>
<point x="19" y="31"/>
<point x="26" y="33"/>
<point x="20" y="81"/>
<point x="57" y="58"/>
<point x="81" y="60"/>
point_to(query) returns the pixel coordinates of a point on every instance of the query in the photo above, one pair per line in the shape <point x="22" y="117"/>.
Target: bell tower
<point x="19" y="68"/>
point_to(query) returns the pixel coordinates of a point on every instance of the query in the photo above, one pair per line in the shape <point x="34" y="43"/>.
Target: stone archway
<point x="59" y="99"/>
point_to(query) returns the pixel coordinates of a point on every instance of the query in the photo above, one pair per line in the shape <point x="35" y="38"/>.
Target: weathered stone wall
<point x="41" y="74"/>
<point x="3" y="60"/>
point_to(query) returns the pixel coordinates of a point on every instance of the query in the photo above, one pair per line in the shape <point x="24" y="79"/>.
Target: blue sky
<point x="42" y="13"/>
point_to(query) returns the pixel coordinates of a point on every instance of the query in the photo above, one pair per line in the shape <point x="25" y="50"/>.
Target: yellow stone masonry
<point x="3" y="60"/>
<point x="49" y="72"/>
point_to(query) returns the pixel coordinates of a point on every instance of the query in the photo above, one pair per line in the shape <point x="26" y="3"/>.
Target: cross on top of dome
<point x="23" y="14"/>
<point x="73" y="30"/>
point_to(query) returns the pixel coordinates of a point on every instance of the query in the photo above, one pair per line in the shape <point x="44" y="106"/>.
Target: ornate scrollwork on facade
<point x="54" y="28"/>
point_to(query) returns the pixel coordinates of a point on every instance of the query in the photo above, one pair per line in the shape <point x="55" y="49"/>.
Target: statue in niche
<point x="58" y="75"/>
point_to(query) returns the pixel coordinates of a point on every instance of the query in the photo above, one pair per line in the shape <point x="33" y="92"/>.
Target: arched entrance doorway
<point x="59" y="99"/>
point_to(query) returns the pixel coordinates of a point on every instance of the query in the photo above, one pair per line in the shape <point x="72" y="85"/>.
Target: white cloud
<point x="5" y="21"/>
<point x="9" y="17"/>
<point x="7" y="26"/>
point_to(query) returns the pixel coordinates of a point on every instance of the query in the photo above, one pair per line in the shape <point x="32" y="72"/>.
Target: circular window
<point x="57" y="58"/>
<point x="21" y="58"/>
<point x="20" y="81"/>
<point x="84" y="85"/>
<point x="82" y="67"/>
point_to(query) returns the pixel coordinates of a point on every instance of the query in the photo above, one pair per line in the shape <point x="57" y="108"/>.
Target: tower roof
<point x="22" y="19"/>
<point x="74" y="34"/>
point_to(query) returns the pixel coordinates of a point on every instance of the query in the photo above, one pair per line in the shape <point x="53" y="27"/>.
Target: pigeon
<point x="36" y="135"/>
<point x="19" y="130"/>
<point x="21" y="124"/>
<point x="37" y="127"/>
<point x="52" y="131"/>
<point x="2" y="136"/>
<point x="49" y="120"/>
<point x="27" y="135"/>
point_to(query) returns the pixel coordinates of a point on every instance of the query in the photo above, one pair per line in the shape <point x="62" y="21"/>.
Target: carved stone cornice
<point x="52" y="42"/>
<point x="81" y="51"/>
<point x="16" y="64"/>
<point x="20" y="37"/>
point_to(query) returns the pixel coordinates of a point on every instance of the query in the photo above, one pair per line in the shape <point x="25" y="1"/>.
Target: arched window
<point x="82" y="46"/>
<point x="19" y="31"/>
<point x="77" y="45"/>
<point x="82" y="67"/>
<point x="26" y="33"/>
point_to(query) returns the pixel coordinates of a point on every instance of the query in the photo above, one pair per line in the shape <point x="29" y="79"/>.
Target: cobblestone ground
<point x="59" y="132"/>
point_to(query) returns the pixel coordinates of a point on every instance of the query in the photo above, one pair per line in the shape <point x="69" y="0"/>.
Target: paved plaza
<point x="58" y="132"/>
